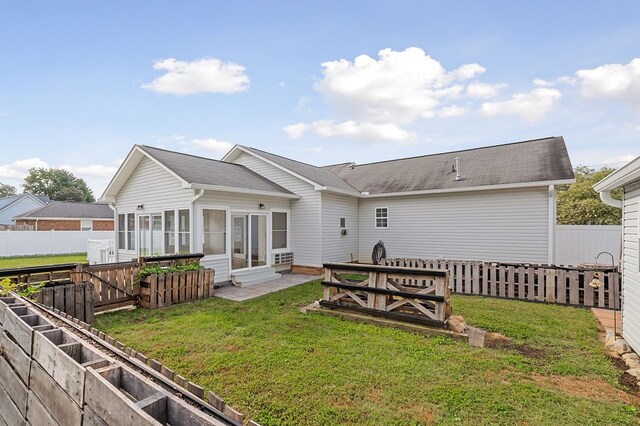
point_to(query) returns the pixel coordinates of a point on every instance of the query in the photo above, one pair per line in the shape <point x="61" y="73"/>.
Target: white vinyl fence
<point x="24" y="243"/>
<point x="576" y="244"/>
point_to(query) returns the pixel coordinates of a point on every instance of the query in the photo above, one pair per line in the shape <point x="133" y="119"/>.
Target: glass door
<point x="239" y="249"/>
<point x="248" y="240"/>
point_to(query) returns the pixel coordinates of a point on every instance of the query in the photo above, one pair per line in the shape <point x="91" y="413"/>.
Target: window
<point x="169" y="232"/>
<point x="122" y="232"/>
<point x="144" y="236"/>
<point x="278" y="230"/>
<point x="343" y="222"/>
<point x="131" y="231"/>
<point x="86" y="224"/>
<point x="215" y="231"/>
<point x="382" y="217"/>
<point x="184" y="245"/>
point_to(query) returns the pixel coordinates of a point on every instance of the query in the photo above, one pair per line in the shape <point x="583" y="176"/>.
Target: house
<point x="627" y="178"/>
<point x="257" y="212"/>
<point x="68" y="216"/>
<point x="14" y="205"/>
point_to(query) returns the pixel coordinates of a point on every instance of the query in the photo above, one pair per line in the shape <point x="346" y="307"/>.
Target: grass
<point x="280" y="366"/>
<point x="19" y="262"/>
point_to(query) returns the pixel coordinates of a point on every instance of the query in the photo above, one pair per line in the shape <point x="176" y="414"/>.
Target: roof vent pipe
<point x="458" y="177"/>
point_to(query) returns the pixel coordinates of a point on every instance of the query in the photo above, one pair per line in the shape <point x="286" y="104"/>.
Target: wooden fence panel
<point x="73" y="299"/>
<point x="541" y="283"/>
<point x="157" y="291"/>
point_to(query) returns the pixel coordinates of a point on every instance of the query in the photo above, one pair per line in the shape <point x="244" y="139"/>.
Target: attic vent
<point x="458" y="176"/>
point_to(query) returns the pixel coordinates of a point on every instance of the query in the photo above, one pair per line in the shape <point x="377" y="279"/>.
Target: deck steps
<point x="253" y="277"/>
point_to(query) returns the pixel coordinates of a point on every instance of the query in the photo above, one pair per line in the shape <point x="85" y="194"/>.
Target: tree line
<point x="57" y="184"/>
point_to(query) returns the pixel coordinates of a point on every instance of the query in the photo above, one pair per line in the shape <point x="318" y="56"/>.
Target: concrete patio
<point x="240" y="294"/>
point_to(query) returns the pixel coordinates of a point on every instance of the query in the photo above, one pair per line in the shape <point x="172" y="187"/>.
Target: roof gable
<point x="625" y="175"/>
<point x="193" y="172"/>
<point x="314" y="175"/>
<point x="11" y="200"/>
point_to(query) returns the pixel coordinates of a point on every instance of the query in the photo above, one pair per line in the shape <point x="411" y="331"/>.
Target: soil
<point x="498" y="341"/>
<point x="587" y="388"/>
<point x="626" y="380"/>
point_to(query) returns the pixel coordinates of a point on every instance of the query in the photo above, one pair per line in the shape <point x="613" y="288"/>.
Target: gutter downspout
<point x="192" y="238"/>
<point x="606" y="198"/>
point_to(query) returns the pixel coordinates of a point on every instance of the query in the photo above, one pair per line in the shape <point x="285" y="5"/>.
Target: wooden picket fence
<point x="387" y="292"/>
<point x="157" y="291"/>
<point x="73" y="299"/>
<point x="567" y="285"/>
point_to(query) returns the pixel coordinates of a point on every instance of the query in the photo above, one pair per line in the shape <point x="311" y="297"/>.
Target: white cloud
<point x="484" y="90"/>
<point x="453" y="111"/>
<point x="531" y="106"/>
<point x="20" y="168"/>
<point x="97" y="170"/>
<point x="294" y="131"/>
<point x="351" y="129"/>
<point x="210" y="144"/>
<point x="209" y="75"/>
<point x="542" y="83"/>
<point x="613" y="81"/>
<point x="398" y="87"/>
<point x="620" y="159"/>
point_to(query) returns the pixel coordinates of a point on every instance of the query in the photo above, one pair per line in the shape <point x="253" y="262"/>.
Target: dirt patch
<point x="422" y="413"/>
<point x="498" y="341"/>
<point x="586" y="388"/>
<point x="626" y="380"/>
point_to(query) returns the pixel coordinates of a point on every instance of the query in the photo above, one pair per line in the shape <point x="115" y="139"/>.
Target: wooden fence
<point x="412" y="295"/>
<point x="73" y="299"/>
<point x="157" y="291"/>
<point x="543" y="283"/>
<point x="36" y="274"/>
<point x="112" y="283"/>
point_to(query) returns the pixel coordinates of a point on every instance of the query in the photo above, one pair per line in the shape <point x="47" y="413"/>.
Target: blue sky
<point x="321" y="82"/>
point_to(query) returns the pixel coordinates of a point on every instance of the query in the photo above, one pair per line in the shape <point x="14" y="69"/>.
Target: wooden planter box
<point x="157" y="291"/>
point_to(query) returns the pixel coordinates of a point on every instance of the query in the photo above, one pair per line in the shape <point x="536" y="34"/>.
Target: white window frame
<point x="270" y="229"/>
<point x="126" y="248"/>
<point x="85" y="221"/>
<point x="200" y="236"/>
<point x="375" y="218"/>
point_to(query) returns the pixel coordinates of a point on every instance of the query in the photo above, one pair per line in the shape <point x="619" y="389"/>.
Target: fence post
<point x="550" y="286"/>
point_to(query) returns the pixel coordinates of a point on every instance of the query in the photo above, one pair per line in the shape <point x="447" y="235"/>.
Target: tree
<point x="6" y="190"/>
<point x="58" y="184"/>
<point x="579" y="204"/>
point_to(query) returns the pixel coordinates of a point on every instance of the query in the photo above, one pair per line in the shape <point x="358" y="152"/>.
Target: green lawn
<point x="19" y="262"/>
<point x="280" y="366"/>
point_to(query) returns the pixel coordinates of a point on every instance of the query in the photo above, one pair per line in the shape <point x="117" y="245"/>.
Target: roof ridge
<point x="457" y="151"/>
<point x="281" y="156"/>
<point x="185" y="154"/>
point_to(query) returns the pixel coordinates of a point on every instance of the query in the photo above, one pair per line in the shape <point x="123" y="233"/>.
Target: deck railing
<point x="389" y="292"/>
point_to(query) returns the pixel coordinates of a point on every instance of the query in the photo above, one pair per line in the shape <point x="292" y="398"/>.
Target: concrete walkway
<point x="605" y="317"/>
<point x="245" y="293"/>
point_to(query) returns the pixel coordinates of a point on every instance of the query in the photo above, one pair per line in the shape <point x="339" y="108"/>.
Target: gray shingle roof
<point x="71" y="210"/>
<point x="206" y="171"/>
<point x="315" y="174"/>
<point x="536" y="160"/>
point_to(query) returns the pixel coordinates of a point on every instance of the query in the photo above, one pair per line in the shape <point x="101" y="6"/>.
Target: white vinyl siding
<point x="631" y="266"/>
<point x="335" y="246"/>
<point x="305" y="211"/>
<point x="502" y="225"/>
<point x="24" y="205"/>
<point x="156" y="189"/>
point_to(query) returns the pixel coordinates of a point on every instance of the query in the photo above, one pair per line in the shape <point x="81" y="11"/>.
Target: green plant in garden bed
<point x="24" y="290"/>
<point x="152" y="269"/>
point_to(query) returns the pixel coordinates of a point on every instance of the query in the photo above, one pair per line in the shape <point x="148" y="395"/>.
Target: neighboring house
<point x="257" y="211"/>
<point x="627" y="178"/>
<point x="15" y="205"/>
<point x="69" y="216"/>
